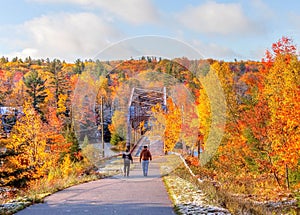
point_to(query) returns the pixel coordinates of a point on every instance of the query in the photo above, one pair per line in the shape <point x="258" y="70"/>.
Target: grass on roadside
<point x="215" y="194"/>
<point x="57" y="179"/>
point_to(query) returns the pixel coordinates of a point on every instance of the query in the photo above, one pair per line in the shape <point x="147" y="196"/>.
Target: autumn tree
<point x="253" y="124"/>
<point x="57" y="143"/>
<point x="214" y="96"/>
<point x="6" y="86"/>
<point x="118" y="127"/>
<point x="204" y="114"/>
<point x="282" y="91"/>
<point x="173" y="126"/>
<point x="27" y="150"/>
<point x="263" y="139"/>
<point x="157" y="121"/>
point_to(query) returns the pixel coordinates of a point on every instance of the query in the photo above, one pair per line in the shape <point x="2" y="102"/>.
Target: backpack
<point x="126" y="156"/>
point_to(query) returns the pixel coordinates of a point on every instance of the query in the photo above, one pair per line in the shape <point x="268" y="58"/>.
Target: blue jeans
<point x="145" y="165"/>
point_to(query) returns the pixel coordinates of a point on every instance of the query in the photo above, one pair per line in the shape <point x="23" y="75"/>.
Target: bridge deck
<point x="155" y="145"/>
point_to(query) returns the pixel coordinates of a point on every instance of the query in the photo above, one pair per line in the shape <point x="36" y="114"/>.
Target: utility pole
<point x="102" y="125"/>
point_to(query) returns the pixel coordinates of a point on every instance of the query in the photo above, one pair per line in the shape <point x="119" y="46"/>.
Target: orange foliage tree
<point x="173" y="125"/>
<point x="282" y="92"/>
<point x="263" y="133"/>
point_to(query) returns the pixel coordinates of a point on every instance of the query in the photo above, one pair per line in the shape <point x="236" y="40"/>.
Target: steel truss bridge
<point x="139" y="111"/>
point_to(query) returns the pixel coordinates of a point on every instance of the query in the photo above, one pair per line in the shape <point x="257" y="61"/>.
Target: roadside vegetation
<point x="207" y="194"/>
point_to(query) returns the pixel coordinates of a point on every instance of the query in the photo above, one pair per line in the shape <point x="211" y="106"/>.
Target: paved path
<point x="156" y="146"/>
<point x="136" y="195"/>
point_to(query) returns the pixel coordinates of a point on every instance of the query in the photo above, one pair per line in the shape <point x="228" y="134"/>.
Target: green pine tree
<point x="71" y="138"/>
<point x="36" y="90"/>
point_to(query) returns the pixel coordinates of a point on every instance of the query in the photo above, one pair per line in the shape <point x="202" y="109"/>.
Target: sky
<point x="79" y="29"/>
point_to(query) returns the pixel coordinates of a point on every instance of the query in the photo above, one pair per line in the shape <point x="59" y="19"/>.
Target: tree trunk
<point x="199" y="148"/>
<point x="274" y="172"/>
<point x="287" y="177"/>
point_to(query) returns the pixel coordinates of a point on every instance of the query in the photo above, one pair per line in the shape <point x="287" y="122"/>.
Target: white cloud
<point x="150" y="45"/>
<point x="217" y="18"/>
<point x="66" y="36"/>
<point x="133" y="11"/>
<point x="213" y="50"/>
<point x="23" y="53"/>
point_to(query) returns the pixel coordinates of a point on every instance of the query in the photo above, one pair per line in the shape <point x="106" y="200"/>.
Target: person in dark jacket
<point x="145" y="156"/>
<point x="127" y="160"/>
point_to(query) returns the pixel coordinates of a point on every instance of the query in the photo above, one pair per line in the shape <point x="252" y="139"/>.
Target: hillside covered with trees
<point x="50" y="112"/>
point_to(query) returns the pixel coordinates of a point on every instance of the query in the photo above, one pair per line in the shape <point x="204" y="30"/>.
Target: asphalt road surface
<point x="136" y="195"/>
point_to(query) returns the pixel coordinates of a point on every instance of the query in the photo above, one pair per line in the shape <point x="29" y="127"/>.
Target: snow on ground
<point x="189" y="199"/>
<point x="14" y="206"/>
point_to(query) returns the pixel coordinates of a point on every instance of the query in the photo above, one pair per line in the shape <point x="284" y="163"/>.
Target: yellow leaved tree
<point x="173" y="126"/>
<point x="27" y="154"/>
<point x="282" y="92"/>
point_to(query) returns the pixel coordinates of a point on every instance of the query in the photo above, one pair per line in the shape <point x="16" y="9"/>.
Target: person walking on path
<point x="145" y="156"/>
<point x="127" y="160"/>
